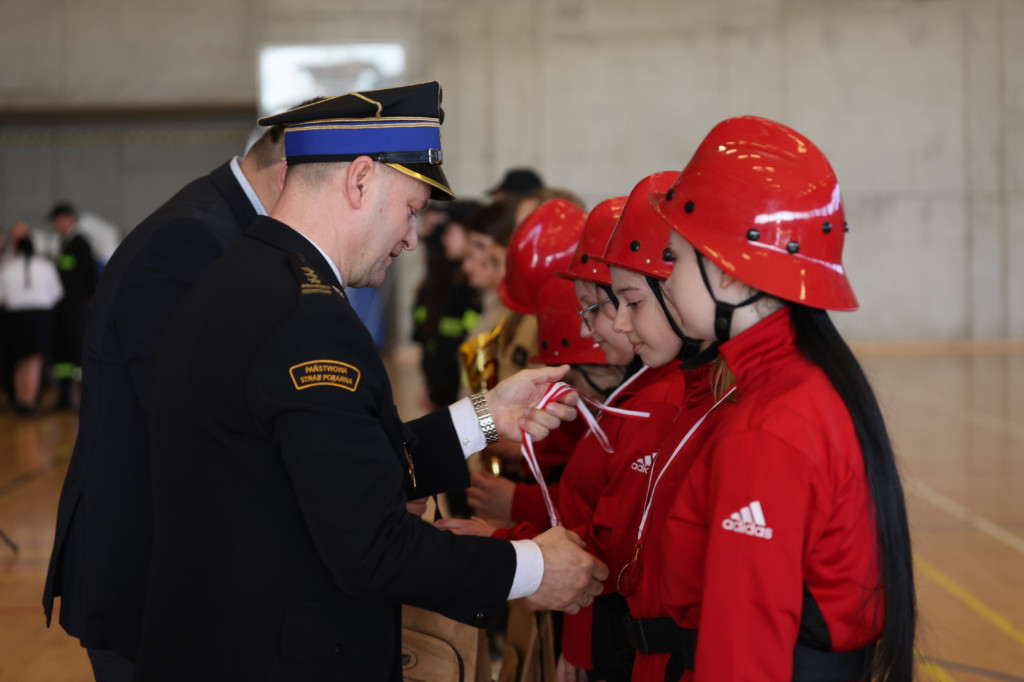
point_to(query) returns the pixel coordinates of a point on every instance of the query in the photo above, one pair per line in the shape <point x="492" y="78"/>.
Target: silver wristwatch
<point x="483" y="415"/>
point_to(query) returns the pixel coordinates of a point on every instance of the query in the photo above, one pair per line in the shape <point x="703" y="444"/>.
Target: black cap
<point x="460" y="211"/>
<point x="62" y="208"/>
<point x="400" y="127"/>
<point x="518" y="181"/>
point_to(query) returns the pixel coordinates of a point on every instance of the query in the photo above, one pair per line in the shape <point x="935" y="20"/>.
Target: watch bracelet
<point x="484" y="417"/>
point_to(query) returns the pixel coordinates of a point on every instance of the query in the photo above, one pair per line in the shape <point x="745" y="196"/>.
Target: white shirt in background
<point x="37" y="289"/>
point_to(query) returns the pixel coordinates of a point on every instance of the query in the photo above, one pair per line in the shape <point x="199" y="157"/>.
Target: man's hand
<point x="471" y="526"/>
<point x="491" y="496"/>
<point x="417" y="507"/>
<point x="512" y="401"/>
<point x="572" y="578"/>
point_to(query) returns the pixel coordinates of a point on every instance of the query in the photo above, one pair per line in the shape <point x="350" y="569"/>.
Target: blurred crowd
<point x="47" y="280"/>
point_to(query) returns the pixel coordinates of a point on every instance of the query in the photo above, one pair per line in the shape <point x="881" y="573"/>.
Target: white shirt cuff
<point x="467" y="427"/>
<point x="529" y="569"/>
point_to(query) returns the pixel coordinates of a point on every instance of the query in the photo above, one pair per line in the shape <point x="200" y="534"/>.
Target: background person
<point x="99" y="566"/>
<point x="447" y="307"/>
<point x="29" y="288"/>
<point x="77" y="268"/>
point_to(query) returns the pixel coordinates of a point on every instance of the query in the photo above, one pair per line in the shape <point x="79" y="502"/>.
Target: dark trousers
<point x="110" y="667"/>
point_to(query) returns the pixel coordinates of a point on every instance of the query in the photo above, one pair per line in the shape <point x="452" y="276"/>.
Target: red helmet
<point x="558" y="328"/>
<point x="761" y="201"/>
<point x="600" y="223"/>
<point x="541" y="246"/>
<point x="640" y="238"/>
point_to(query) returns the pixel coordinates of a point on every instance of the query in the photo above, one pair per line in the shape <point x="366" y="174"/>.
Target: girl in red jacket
<point x="787" y="554"/>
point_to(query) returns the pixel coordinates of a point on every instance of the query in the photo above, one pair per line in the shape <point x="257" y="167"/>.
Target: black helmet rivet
<point x="565" y="342"/>
<point x="670" y="194"/>
<point x="666" y="255"/>
<point x="753" y="235"/>
<point x="544" y="345"/>
<point x="584" y="258"/>
<point x="634" y="245"/>
<point x="689" y="207"/>
<point x="826" y="227"/>
<point x="846" y="227"/>
<point x="793" y="247"/>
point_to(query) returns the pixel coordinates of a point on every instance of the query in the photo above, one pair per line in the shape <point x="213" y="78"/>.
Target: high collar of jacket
<point x="281" y="236"/>
<point x="762" y="346"/>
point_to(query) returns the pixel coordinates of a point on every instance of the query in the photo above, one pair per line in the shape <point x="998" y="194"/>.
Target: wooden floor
<point x="956" y="413"/>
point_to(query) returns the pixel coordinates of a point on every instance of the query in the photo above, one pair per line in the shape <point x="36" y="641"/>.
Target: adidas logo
<point x="643" y="465"/>
<point x="749" y="521"/>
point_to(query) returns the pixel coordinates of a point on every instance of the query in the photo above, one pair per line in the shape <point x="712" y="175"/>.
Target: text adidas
<point x="643" y="465"/>
<point x="748" y="521"/>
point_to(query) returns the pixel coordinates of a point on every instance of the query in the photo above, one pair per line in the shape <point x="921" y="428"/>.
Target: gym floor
<point x="956" y="415"/>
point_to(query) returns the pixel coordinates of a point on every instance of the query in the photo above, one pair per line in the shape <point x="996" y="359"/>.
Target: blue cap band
<point x="367" y="136"/>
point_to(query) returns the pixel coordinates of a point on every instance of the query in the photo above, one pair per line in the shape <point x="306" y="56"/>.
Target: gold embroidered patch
<point x="311" y="276"/>
<point x="324" y="373"/>
<point x="313" y="283"/>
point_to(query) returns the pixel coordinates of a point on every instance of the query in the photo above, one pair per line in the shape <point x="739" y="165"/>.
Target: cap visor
<point x="430" y="174"/>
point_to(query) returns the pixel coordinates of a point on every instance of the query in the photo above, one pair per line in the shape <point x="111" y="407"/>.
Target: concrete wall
<point x="919" y="104"/>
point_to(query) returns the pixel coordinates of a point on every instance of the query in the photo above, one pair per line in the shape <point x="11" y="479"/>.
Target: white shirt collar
<point x="250" y="193"/>
<point x="327" y="258"/>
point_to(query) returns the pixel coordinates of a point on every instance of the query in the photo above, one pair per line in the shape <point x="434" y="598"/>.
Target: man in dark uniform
<point x="77" y="269"/>
<point x="100" y="561"/>
<point x="281" y="469"/>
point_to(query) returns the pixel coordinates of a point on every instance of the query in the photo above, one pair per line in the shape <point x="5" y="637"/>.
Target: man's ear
<point x="357" y="180"/>
<point x="281" y="172"/>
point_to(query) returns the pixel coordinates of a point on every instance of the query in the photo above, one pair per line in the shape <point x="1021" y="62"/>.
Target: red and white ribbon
<point x="554" y="393"/>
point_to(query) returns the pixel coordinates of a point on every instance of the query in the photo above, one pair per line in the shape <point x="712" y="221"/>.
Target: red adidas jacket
<point x="772" y="536"/>
<point x="602" y="493"/>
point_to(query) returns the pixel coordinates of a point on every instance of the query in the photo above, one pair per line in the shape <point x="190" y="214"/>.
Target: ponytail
<point x="25" y="248"/>
<point x="820" y="342"/>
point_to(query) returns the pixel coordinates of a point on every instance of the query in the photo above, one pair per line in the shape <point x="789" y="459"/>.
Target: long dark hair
<point x="819" y="341"/>
<point x="25" y="248"/>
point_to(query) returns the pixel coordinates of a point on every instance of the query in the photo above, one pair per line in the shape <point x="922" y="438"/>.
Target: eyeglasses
<point x="589" y="314"/>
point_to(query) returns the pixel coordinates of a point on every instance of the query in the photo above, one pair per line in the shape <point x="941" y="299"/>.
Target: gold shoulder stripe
<point x="311" y="275"/>
<point x="324" y="373"/>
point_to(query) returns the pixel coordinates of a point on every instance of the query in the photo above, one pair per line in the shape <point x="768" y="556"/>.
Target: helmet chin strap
<point x="690" y="346"/>
<point x="603" y="392"/>
<point x="723" y="310"/>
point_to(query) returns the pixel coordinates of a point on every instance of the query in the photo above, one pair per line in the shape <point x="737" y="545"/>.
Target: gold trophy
<point x="480" y="360"/>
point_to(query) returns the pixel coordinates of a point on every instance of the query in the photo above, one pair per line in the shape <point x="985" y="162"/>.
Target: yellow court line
<point x="986" y="612"/>
<point x="935" y="672"/>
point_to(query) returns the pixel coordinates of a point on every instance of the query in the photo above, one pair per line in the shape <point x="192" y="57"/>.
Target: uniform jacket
<point x="772" y="538"/>
<point x="282" y="547"/>
<point x="100" y="560"/>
